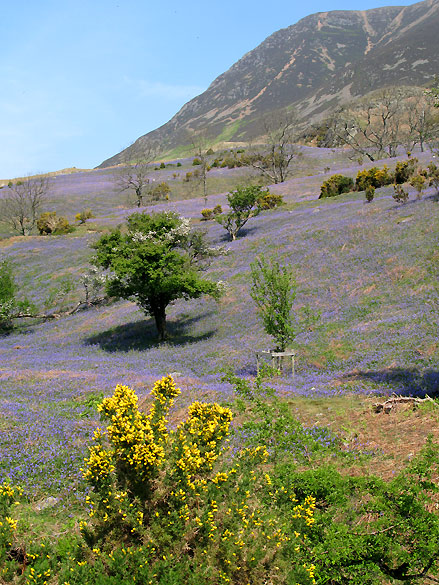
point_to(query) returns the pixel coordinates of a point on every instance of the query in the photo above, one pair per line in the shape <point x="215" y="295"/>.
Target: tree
<point x="244" y="203"/>
<point x="422" y="121"/>
<point x="200" y="148"/>
<point x="10" y="307"/>
<point x="155" y="262"/>
<point x="22" y="203"/>
<point x="274" y="162"/>
<point x="375" y="126"/>
<point x="274" y="290"/>
<point x="134" y="178"/>
<point x="372" y="127"/>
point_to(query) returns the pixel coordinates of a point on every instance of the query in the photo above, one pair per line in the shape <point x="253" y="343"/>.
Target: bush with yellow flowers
<point x="8" y="525"/>
<point x="175" y="505"/>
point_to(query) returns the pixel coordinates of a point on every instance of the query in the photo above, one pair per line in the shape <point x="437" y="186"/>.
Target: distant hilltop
<point x="323" y="61"/>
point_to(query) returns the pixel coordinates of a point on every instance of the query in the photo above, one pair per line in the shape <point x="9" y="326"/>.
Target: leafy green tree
<point x="10" y="307"/>
<point x="244" y="203"/>
<point x="156" y="261"/>
<point x="274" y="290"/>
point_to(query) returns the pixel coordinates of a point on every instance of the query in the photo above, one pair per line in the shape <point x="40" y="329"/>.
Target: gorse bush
<point x="270" y="201"/>
<point x="418" y="182"/>
<point x="50" y="223"/>
<point x="404" y="170"/>
<point x="83" y="215"/>
<point x="336" y="185"/>
<point x="203" y="503"/>
<point x="373" y="177"/>
<point x="176" y="507"/>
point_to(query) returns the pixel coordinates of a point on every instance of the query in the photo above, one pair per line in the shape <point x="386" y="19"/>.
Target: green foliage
<point x="274" y="290"/>
<point x="209" y="152"/>
<point x="162" y="165"/>
<point x="50" y="223"/>
<point x="174" y="506"/>
<point x="8" y="526"/>
<point x="374" y="177"/>
<point x="188" y="176"/>
<point x="9" y="305"/>
<point x="270" y="201"/>
<point x="419" y="183"/>
<point x="83" y="215"/>
<point x="155" y="263"/>
<point x="404" y="170"/>
<point x="244" y="203"/>
<point x="370" y="193"/>
<point x="433" y="175"/>
<point x="336" y="185"/>
<point x="196" y="161"/>
<point x="207" y="214"/>
<point x="160" y="191"/>
<point x="400" y="194"/>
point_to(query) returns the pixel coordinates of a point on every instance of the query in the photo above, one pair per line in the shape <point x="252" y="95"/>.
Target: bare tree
<point x="200" y="148"/>
<point x="20" y="206"/>
<point x="373" y="127"/>
<point x="134" y="178"/>
<point x="274" y="160"/>
<point x="422" y="121"/>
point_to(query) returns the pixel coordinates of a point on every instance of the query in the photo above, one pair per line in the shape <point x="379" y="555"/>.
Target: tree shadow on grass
<point x="406" y="381"/>
<point x="142" y="335"/>
<point x="244" y="231"/>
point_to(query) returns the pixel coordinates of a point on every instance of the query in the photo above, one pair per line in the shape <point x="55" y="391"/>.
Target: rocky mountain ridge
<point x="313" y="66"/>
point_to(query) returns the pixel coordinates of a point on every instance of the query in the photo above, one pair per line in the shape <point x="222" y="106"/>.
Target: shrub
<point x="50" y="223"/>
<point x="173" y="506"/>
<point x="433" y="175"/>
<point x="370" y="193"/>
<point x="209" y="152"/>
<point x="217" y="210"/>
<point x="160" y="191"/>
<point x="179" y="164"/>
<point x="270" y="201"/>
<point x="83" y="215"/>
<point x="374" y="177"/>
<point x="400" y="194"/>
<point x="404" y="170"/>
<point x="162" y="165"/>
<point x="188" y="176"/>
<point x="8" y="526"/>
<point x="336" y="185"/>
<point x="196" y="161"/>
<point x="418" y="182"/>
<point x="207" y="214"/>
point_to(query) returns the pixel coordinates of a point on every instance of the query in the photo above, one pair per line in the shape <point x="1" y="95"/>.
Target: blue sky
<point x="81" y="80"/>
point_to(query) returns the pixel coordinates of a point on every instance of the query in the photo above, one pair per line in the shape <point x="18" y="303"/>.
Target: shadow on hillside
<point x="244" y="231"/>
<point x="406" y="381"/>
<point x="141" y="335"/>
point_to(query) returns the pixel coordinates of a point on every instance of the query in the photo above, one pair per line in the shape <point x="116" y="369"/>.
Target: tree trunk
<point x="159" y="315"/>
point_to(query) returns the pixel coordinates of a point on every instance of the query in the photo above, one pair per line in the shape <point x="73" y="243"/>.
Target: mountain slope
<point x="314" y="65"/>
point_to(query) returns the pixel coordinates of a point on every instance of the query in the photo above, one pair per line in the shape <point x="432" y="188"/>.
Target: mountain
<point x="315" y="65"/>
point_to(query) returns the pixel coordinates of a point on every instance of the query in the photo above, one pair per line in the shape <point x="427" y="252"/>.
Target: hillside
<point x="364" y="268"/>
<point x="324" y="60"/>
